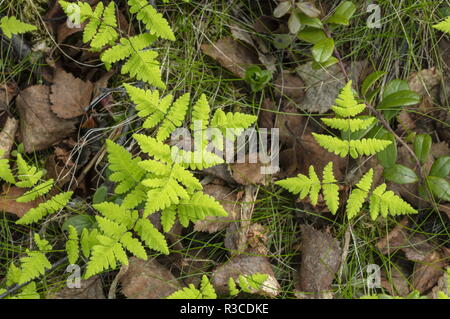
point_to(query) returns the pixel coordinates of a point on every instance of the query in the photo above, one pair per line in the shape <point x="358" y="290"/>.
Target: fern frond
<point x="351" y="125"/>
<point x="135" y="197"/>
<point x="200" y="112"/>
<point x="234" y="291"/>
<point x="36" y="192"/>
<point x="189" y="292"/>
<point x="443" y="26"/>
<point x="105" y="255"/>
<point x="72" y="245"/>
<point x="196" y="160"/>
<point x="365" y="146"/>
<point x="163" y="194"/>
<point x="346" y="104"/>
<point x="133" y="245"/>
<point x="359" y="194"/>
<point x="330" y="188"/>
<point x="198" y="207"/>
<point x="388" y="203"/>
<point x="152" y="238"/>
<point x="207" y="289"/>
<point x="126" y="171"/>
<point x="230" y="122"/>
<point x="88" y="240"/>
<point x="106" y="32"/>
<point x="168" y="217"/>
<point x="11" y="26"/>
<point x="174" y="118"/>
<point x="110" y="228"/>
<point x="153" y="147"/>
<point x="5" y="170"/>
<point x="118" y="214"/>
<point x="33" y="266"/>
<point x="143" y="66"/>
<point x="49" y="207"/>
<point x="303" y="185"/>
<point x="126" y="47"/>
<point x="28" y="175"/>
<point x="153" y="20"/>
<point x="95" y="19"/>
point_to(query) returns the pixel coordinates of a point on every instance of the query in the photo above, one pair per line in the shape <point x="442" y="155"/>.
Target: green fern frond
<point x="346" y="104"/>
<point x="88" y="240"/>
<point x="106" y="32"/>
<point x="206" y="291"/>
<point x="35" y="263"/>
<point x="359" y="194"/>
<point x="233" y="123"/>
<point x="196" y="160"/>
<point x="36" y="192"/>
<point x="365" y="146"/>
<point x="351" y="125"/>
<point x="174" y="118"/>
<point x="200" y="113"/>
<point x="143" y="66"/>
<point x="330" y="189"/>
<point x="105" y="255"/>
<point x="72" y="245"/>
<point x="49" y="207"/>
<point x="164" y="193"/>
<point x="126" y="47"/>
<point x="152" y="238"/>
<point x="303" y="185"/>
<point x="153" y="20"/>
<point x="443" y="26"/>
<point x="11" y="26"/>
<point x="5" y="170"/>
<point x="234" y="291"/>
<point x="118" y="214"/>
<point x="133" y="245"/>
<point x="126" y="171"/>
<point x="197" y="207"/>
<point x="158" y="150"/>
<point x="168" y="217"/>
<point x="135" y="197"/>
<point x="387" y="203"/>
<point x="28" y="175"/>
<point x="110" y="228"/>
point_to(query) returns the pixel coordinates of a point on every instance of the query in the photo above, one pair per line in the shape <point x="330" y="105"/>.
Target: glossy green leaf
<point x="394" y="86"/>
<point x="332" y="60"/>
<point x="370" y="80"/>
<point x="343" y="13"/>
<point x="311" y="35"/>
<point x="422" y="146"/>
<point x="439" y="187"/>
<point x="256" y="77"/>
<point x="441" y="167"/>
<point x="400" y="174"/>
<point x="310" y="22"/>
<point x="399" y="98"/>
<point x="323" y="50"/>
<point x="388" y="156"/>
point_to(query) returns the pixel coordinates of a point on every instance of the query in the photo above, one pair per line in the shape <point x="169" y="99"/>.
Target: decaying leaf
<point x="289" y="86"/>
<point x="395" y="281"/>
<point x="89" y="289"/>
<point x="232" y="55"/>
<point x="321" y="255"/>
<point x="427" y="272"/>
<point x="252" y="171"/>
<point x="7" y="136"/>
<point x="148" y="280"/>
<point x="229" y="201"/>
<point x="245" y="265"/>
<point x="423" y="81"/>
<point x="8" y="201"/>
<point x="39" y="126"/>
<point x="69" y="95"/>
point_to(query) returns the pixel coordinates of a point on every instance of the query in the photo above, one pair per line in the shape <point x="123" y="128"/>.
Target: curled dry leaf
<point x="245" y="265"/>
<point x="229" y="201"/>
<point x="89" y="289"/>
<point x="39" y="126"/>
<point x="232" y="55"/>
<point x="69" y="95"/>
<point x="8" y="201"/>
<point x="148" y="280"/>
<point x="321" y="255"/>
<point x="7" y="136"/>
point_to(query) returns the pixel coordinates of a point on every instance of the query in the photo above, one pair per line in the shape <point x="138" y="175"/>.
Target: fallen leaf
<point x="39" y="126"/>
<point x="321" y="257"/>
<point x="148" y="280"/>
<point x="70" y="95"/>
<point x="89" y="289"/>
<point x="427" y="273"/>
<point x="289" y="86"/>
<point x="7" y="136"/>
<point x="232" y="55"/>
<point x="248" y="173"/>
<point x="8" y="201"/>
<point x="8" y="91"/>
<point x="396" y="281"/>
<point x="423" y="81"/>
<point x="228" y="199"/>
<point x="245" y="265"/>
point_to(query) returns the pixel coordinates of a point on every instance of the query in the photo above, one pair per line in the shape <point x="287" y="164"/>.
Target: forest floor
<point x="307" y="251"/>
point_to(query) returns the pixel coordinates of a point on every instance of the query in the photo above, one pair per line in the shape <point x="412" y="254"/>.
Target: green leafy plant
<point x="443" y="26"/>
<point x="249" y="284"/>
<point x="381" y="202"/>
<point x="11" y="26"/>
<point x="304" y="21"/>
<point x="101" y="31"/>
<point x="257" y="78"/>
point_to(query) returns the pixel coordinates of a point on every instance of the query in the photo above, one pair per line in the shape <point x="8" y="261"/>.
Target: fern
<point x="387" y="203"/>
<point x="36" y="192"/>
<point x="101" y="31"/>
<point x="359" y="194"/>
<point x="443" y="26"/>
<point x="304" y="185"/>
<point x="72" y="245"/>
<point x="49" y="207"/>
<point x="5" y="170"/>
<point x="11" y="26"/>
<point x="35" y="263"/>
<point x="346" y="109"/>
<point x="28" y="175"/>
